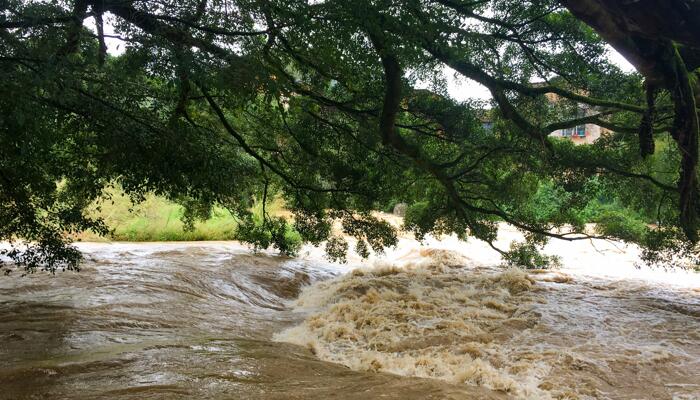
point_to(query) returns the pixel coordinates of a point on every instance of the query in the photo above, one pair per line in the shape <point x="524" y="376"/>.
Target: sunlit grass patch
<point x="157" y="219"/>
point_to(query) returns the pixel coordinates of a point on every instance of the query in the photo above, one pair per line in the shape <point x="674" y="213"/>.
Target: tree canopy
<point x="341" y="108"/>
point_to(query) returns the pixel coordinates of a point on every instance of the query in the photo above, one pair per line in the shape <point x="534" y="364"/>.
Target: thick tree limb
<point x="641" y="32"/>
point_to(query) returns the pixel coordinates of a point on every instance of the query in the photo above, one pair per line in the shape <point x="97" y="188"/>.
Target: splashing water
<point x="602" y="332"/>
<point x="430" y="319"/>
<point x="438" y="321"/>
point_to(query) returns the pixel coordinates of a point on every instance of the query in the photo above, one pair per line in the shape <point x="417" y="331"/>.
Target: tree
<point x="662" y="40"/>
<point x="324" y="103"/>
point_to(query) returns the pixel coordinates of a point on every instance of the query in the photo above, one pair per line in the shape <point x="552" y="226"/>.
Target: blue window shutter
<point x="581" y="130"/>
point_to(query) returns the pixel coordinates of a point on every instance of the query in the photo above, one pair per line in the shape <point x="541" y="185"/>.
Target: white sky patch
<point x="461" y="88"/>
<point x="115" y="46"/>
<point x="617" y="59"/>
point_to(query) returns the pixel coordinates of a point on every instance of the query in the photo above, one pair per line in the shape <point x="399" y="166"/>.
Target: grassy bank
<point x="157" y="219"/>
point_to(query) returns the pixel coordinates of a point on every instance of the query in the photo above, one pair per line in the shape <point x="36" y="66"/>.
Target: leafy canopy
<point x="340" y="107"/>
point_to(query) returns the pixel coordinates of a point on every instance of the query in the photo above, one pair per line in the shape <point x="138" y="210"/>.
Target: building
<point x="581" y="134"/>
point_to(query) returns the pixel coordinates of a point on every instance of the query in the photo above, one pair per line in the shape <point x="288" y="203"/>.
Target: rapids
<point x="437" y="320"/>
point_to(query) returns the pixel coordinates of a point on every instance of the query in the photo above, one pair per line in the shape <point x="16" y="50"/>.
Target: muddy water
<point x="211" y="320"/>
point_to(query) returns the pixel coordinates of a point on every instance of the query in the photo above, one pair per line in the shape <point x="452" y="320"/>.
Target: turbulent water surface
<point x="440" y="321"/>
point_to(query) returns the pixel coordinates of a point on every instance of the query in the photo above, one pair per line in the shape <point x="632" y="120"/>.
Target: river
<point x="437" y="320"/>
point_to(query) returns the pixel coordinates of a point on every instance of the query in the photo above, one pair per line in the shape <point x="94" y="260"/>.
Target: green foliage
<point x="312" y="228"/>
<point x="337" y="249"/>
<point x="666" y="247"/>
<point x="621" y="223"/>
<point x="272" y="232"/>
<point x="323" y="104"/>
<point x="421" y="218"/>
<point x="369" y="231"/>
<point x="48" y="254"/>
<point x="527" y="255"/>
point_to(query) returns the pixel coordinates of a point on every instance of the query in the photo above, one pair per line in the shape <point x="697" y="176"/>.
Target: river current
<point x="432" y="320"/>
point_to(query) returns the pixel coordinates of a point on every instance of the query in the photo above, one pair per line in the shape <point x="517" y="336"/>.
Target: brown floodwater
<point x="215" y="321"/>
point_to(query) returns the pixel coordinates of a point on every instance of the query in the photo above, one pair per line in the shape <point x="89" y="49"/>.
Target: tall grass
<point x="156" y="219"/>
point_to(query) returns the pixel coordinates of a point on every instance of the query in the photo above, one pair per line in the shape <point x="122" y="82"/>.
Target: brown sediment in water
<point x="438" y="315"/>
<point x="197" y="320"/>
<point x="175" y="321"/>
<point x="429" y="318"/>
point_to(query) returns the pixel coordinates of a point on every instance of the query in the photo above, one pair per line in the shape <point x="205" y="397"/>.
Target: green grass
<point x="156" y="219"/>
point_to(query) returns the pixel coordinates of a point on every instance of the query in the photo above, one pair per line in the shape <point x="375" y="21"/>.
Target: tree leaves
<point x="219" y="102"/>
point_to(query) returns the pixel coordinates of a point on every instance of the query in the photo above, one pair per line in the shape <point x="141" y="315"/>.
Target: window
<point x="578" y="131"/>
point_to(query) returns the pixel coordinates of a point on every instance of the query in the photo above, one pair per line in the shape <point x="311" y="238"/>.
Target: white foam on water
<point x="597" y="328"/>
<point x="434" y="316"/>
